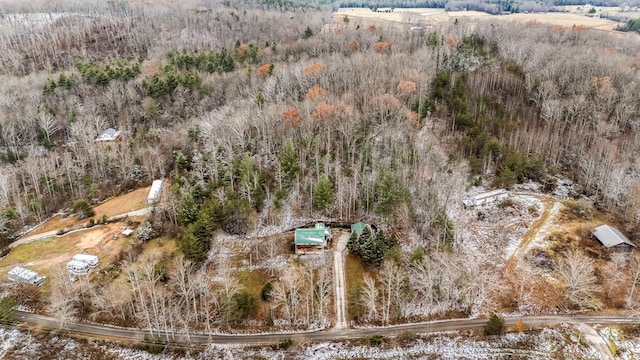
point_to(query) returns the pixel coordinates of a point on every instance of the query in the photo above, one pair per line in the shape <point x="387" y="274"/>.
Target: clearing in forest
<point x="134" y="200"/>
<point x="434" y="16"/>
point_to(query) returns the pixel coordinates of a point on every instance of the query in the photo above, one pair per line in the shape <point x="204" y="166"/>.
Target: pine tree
<point x="289" y="167"/>
<point x="389" y="193"/>
<point x="353" y="245"/>
<point x="193" y="248"/>
<point x="323" y="194"/>
<point x="307" y="33"/>
<point x="494" y="325"/>
<point x="373" y="251"/>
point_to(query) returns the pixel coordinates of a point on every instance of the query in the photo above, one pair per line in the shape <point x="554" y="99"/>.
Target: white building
<point x="110" y="134"/>
<point x="77" y="267"/>
<point x="155" y="192"/>
<point x="20" y="274"/>
<point x="486" y="197"/>
<point x="90" y="260"/>
<point x="612" y="238"/>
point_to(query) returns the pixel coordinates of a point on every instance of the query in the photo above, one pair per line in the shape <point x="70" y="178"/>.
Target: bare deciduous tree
<point x="63" y="303"/>
<point x="369" y="298"/>
<point x="581" y="285"/>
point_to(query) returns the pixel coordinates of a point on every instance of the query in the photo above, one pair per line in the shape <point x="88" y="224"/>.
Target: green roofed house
<point x="327" y="230"/>
<point x="312" y="240"/>
<point x="358" y="227"/>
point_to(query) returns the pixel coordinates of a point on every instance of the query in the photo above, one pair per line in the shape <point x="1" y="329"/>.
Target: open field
<point x="134" y="200"/>
<point x="606" y="11"/>
<point x="47" y="255"/>
<point x="430" y="16"/>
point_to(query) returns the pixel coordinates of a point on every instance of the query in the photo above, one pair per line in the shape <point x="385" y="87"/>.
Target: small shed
<point x="311" y="240"/>
<point x="358" y="228"/>
<point x="612" y="238"/>
<point x="155" y="192"/>
<point x="110" y="134"/>
<point x="486" y="197"/>
<point x="20" y="274"/>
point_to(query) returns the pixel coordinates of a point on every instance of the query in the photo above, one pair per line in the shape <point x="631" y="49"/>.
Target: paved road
<point x="338" y="268"/>
<point x="317" y="336"/>
<point x="47" y="234"/>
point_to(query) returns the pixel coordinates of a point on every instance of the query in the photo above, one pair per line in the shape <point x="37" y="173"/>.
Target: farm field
<point x="434" y="16"/>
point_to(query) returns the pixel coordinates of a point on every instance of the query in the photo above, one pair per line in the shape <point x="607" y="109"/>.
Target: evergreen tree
<point x="288" y="159"/>
<point x="187" y="210"/>
<point x="389" y="193"/>
<point x="364" y="237"/>
<point x="353" y="245"/>
<point x="494" y="325"/>
<point x="246" y="305"/>
<point x="323" y="194"/>
<point x="193" y="248"/>
<point x="83" y="209"/>
<point x="373" y="251"/>
<point x="307" y="33"/>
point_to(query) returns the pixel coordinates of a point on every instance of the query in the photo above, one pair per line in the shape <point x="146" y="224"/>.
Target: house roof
<point x="108" y="135"/>
<point x="310" y="237"/>
<point x="610" y="236"/>
<point x="327" y="230"/>
<point x="359" y="227"/>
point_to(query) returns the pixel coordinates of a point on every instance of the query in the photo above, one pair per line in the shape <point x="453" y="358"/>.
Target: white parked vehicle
<point x="77" y="267"/>
<point x="20" y="274"/>
<point x="90" y="260"/>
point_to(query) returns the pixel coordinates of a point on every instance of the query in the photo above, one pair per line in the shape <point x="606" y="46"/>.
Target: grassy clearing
<point x="354" y="271"/>
<point x="162" y="247"/>
<point x="134" y="200"/>
<point x="253" y="281"/>
<point x="55" y="223"/>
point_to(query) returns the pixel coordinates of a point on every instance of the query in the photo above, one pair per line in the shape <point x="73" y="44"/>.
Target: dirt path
<point x="594" y="339"/>
<point x="539" y="227"/>
<point x="338" y="279"/>
<point x="47" y="234"/>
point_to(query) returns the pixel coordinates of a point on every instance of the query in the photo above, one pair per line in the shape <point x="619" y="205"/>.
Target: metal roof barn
<point x="610" y="236"/>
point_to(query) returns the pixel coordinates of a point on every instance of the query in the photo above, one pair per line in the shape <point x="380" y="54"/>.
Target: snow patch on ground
<point x="562" y="342"/>
<point x="627" y="346"/>
<point x="538" y="241"/>
<point x="8" y="340"/>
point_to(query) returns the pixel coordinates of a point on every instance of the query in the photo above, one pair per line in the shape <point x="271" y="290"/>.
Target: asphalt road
<point x="87" y="329"/>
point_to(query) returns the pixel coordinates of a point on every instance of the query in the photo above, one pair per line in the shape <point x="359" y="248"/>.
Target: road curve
<point x="317" y="336"/>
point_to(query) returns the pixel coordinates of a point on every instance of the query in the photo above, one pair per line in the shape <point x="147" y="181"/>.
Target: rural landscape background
<point x="263" y="117"/>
